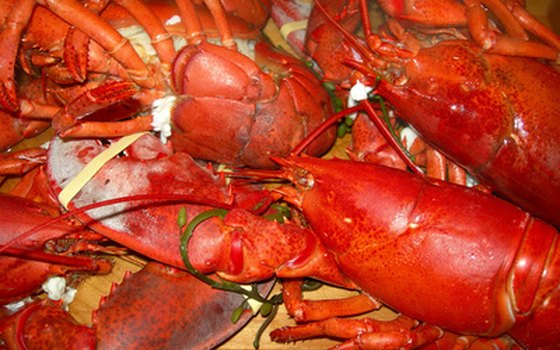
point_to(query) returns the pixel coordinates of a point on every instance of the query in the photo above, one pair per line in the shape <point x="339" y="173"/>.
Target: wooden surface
<point x="91" y="290"/>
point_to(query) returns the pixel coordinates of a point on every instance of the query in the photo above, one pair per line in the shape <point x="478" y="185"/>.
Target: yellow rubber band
<point x="80" y="180"/>
<point x="289" y="27"/>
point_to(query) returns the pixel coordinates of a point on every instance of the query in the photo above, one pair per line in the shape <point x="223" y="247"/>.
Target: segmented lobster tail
<point x="536" y="288"/>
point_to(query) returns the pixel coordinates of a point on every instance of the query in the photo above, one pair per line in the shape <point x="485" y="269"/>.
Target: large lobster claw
<point x="182" y="310"/>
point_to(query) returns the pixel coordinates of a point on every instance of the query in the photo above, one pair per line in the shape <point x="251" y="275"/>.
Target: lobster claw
<point x="40" y="325"/>
<point x="10" y="35"/>
<point x="185" y="311"/>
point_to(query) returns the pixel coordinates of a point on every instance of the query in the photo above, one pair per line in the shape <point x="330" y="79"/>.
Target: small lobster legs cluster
<point x="91" y="81"/>
<point x="512" y="39"/>
<point x="493" y="113"/>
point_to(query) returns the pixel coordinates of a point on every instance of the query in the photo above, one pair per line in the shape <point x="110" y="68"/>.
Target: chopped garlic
<point x="162" y="116"/>
<point x="55" y="287"/>
<point x="408" y="135"/>
<point x="358" y="92"/>
<point x="17" y="305"/>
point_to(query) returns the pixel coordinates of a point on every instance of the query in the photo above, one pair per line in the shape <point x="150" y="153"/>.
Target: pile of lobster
<point x="164" y="138"/>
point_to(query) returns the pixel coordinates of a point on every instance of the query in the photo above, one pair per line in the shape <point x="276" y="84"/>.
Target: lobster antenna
<point x="364" y="105"/>
<point x="321" y="129"/>
<point x="154" y="197"/>
<point x="391" y="140"/>
<point x="74" y="261"/>
<point x="355" y="43"/>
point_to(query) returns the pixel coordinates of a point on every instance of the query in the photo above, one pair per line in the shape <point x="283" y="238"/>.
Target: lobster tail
<point x="537" y="288"/>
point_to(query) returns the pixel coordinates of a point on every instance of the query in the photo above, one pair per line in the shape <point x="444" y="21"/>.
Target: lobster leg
<point x="533" y="25"/>
<point x="110" y="129"/>
<point x="363" y="334"/>
<point x="76" y="46"/>
<point x="217" y="10"/>
<point x="306" y="310"/>
<point x="91" y="101"/>
<point x="437" y="165"/>
<point x="195" y="33"/>
<point x="100" y="31"/>
<point x="160" y="39"/>
<point x="20" y="162"/>
<point x="10" y="37"/>
<point x="515" y="44"/>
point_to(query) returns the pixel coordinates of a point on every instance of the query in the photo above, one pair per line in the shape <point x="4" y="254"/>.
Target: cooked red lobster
<point x="450" y="257"/>
<point x="69" y="251"/>
<point x="223" y="105"/>
<point x="386" y="232"/>
<point x="493" y="113"/>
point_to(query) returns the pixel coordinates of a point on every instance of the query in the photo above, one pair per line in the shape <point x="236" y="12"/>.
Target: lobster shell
<point x="441" y="253"/>
<point x="497" y="116"/>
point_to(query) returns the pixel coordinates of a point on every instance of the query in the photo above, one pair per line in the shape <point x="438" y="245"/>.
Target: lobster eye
<point x="306" y="180"/>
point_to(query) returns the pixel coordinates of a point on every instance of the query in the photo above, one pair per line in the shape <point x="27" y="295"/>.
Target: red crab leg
<point x="313" y="310"/>
<point x="76" y="45"/>
<point x="516" y="43"/>
<point x="161" y="39"/>
<point x="9" y="43"/>
<point x="110" y="129"/>
<point x="105" y="35"/>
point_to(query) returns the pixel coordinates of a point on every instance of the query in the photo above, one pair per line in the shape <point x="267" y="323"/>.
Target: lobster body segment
<point x="490" y="114"/>
<point x="479" y="96"/>
<point x="262" y="108"/>
<point x="440" y="253"/>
